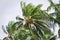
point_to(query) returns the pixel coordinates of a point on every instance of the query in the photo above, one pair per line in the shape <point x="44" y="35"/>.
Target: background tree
<point x="56" y="14"/>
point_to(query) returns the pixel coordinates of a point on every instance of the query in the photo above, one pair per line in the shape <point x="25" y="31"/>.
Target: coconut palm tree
<point x="10" y="28"/>
<point x="35" y="21"/>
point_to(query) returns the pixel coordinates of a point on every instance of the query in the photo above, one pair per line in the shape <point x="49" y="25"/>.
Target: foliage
<point x="34" y="25"/>
<point x="56" y="7"/>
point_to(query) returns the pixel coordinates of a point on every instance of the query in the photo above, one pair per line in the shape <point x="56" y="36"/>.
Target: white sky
<point x="9" y="9"/>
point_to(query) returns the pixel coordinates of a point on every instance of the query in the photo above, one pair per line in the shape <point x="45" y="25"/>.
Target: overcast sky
<point x="9" y="9"/>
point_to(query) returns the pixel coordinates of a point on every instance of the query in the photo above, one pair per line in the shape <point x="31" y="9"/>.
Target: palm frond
<point x="53" y="38"/>
<point x="5" y="38"/>
<point x="36" y="9"/>
<point x="18" y="18"/>
<point x="4" y="29"/>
